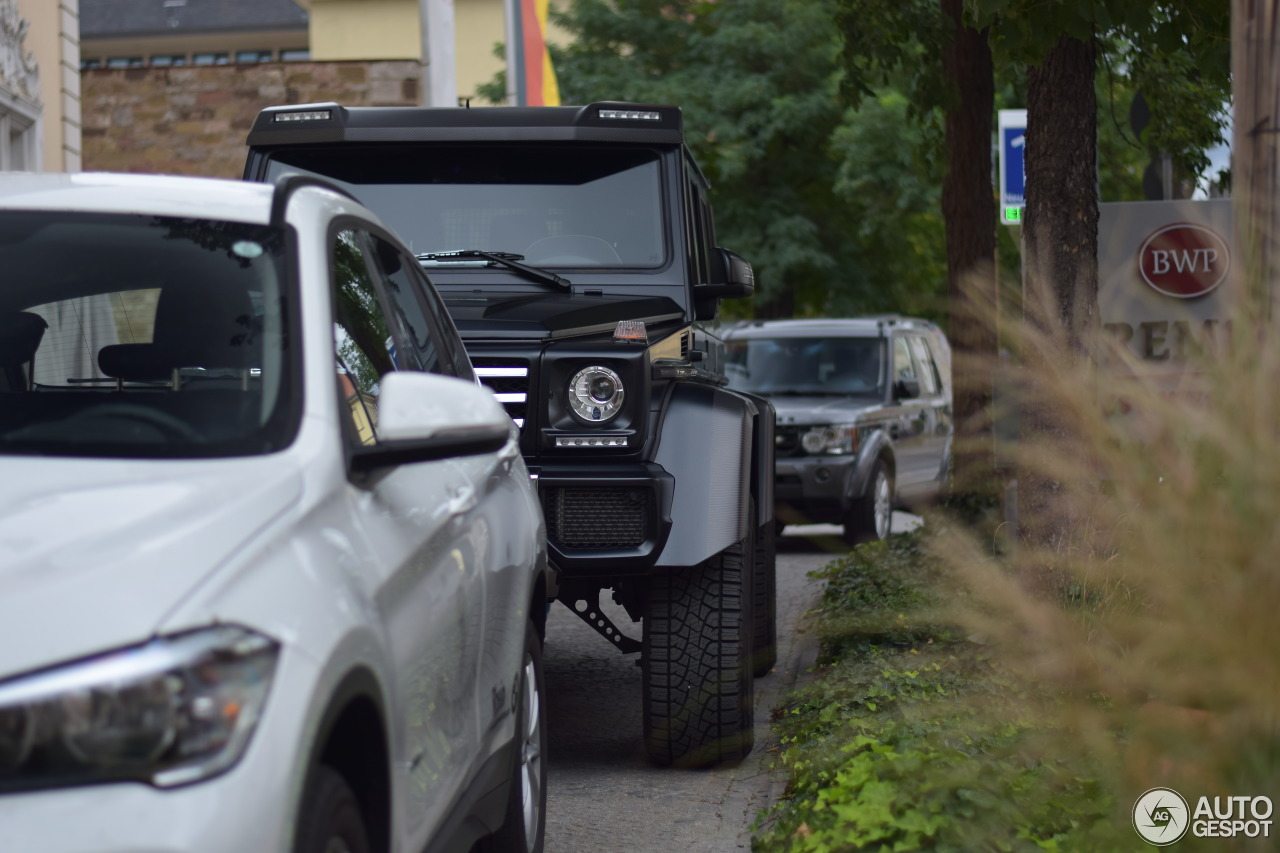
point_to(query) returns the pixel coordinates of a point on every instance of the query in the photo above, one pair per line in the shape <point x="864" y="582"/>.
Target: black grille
<point x="597" y="517"/>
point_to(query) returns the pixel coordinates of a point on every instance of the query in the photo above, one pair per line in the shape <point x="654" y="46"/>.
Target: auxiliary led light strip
<point x="591" y="441"/>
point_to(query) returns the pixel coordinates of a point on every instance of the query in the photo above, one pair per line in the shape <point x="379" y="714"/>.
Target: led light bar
<point x="304" y="115"/>
<point x="632" y="115"/>
<point x="591" y="441"/>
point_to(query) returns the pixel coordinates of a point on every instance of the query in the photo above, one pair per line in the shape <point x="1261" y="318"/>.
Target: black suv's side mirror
<point x="907" y="389"/>
<point x="732" y="278"/>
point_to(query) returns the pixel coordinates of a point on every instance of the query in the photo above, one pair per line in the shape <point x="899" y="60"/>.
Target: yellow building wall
<point x="391" y="29"/>
<point x="477" y="26"/>
<point x="53" y="38"/>
<point x="365" y="29"/>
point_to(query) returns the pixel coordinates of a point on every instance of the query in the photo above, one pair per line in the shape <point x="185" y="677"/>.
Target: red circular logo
<point x="1184" y="260"/>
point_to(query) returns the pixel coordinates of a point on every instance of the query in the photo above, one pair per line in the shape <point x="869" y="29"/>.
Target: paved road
<point x="603" y="796"/>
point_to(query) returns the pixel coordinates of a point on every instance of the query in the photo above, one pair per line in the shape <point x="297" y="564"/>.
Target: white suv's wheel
<point x="524" y="828"/>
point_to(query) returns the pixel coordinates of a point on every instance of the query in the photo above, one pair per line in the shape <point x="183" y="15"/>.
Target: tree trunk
<point x="968" y="209"/>
<point x="1255" y="180"/>
<point x="1060" y="267"/>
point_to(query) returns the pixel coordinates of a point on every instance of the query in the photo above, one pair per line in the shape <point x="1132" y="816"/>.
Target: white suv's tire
<point x="524" y="827"/>
<point x="330" y="820"/>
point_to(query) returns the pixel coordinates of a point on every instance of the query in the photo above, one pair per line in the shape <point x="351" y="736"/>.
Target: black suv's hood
<point x="541" y="316"/>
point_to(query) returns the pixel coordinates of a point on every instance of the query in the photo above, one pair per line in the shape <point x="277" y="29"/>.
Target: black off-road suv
<point x="575" y="250"/>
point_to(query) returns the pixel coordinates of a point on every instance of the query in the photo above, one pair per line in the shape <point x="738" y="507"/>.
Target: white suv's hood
<point x="94" y="553"/>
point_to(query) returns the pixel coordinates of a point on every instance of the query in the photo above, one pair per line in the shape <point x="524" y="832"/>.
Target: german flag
<point x="535" y="83"/>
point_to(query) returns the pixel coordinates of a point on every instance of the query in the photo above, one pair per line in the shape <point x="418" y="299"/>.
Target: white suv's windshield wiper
<point x="510" y="260"/>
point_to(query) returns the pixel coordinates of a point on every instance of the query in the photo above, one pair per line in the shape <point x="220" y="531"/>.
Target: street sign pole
<point x="1011" y="126"/>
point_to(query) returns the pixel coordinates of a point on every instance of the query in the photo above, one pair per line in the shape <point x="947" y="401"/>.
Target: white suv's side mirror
<point x="425" y="416"/>
<point x="416" y="405"/>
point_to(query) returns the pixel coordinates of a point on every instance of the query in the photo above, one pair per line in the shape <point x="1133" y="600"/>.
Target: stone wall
<point x="194" y="120"/>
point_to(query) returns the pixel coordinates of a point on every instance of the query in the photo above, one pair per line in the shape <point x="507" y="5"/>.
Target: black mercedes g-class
<point x="575" y="250"/>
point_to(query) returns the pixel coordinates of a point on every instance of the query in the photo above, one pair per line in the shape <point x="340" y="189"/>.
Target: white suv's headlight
<point x="596" y="394"/>
<point x="838" y="439"/>
<point x="176" y="710"/>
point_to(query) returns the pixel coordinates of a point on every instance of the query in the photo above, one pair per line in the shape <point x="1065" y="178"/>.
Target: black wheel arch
<point x="352" y="739"/>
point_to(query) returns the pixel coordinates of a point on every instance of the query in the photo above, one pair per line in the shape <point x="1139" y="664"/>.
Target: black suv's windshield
<point x="141" y="336"/>
<point x="555" y="205"/>
<point x="845" y="366"/>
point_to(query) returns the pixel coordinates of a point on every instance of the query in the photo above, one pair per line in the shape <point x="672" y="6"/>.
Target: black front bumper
<point x="604" y="520"/>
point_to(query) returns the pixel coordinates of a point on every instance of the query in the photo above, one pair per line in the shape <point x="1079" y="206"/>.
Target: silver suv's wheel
<point x="869" y="518"/>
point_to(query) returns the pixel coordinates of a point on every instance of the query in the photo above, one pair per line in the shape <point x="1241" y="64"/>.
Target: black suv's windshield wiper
<point x="510" y="260"/>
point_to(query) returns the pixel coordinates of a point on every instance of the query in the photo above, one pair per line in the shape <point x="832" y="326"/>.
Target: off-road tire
<point x="869" y="517"/>
<point x="330" y="819"/>
<point x="698" y="688"/>
<point x="764" y="592"/>
<point x="523" y="829"/>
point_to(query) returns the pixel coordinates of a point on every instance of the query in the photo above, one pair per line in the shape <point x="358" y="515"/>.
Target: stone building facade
<point x="193" y="120"/>
<point x="39" y="85"/>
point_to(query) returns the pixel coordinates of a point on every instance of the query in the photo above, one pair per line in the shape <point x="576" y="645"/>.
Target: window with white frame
<point x="17" y="139"/>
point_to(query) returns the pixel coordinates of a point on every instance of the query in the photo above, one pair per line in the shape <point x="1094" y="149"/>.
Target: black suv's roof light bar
<point x="302" y="115"/>
<point x="631" y="115"/>
<point x="603" y="121"/>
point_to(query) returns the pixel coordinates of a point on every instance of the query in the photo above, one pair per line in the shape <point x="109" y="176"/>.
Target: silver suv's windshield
<point x="142" y="336"/>
<point x="552" y="205"/>
<point x="838" y="366"/>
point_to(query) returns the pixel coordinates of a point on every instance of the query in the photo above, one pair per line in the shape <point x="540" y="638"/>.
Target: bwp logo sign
<point x="1184" y="261"/>
<point x="1161" y="816"/>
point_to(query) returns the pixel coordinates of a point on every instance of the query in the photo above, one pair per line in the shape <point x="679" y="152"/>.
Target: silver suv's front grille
<point x="509" y="381"/>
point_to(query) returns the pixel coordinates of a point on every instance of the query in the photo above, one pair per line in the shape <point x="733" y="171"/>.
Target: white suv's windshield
<point x="844" y="366"/>
<point x="141" y="336"/>
<point x="553" y="205"/>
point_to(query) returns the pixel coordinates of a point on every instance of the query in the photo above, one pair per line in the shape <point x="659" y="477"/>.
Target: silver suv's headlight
<point x="176" y="710"/>
<point x="837" y="439"/>
<point x="596" y="394"/>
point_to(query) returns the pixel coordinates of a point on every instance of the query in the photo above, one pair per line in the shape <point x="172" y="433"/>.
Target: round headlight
<point x="596" y="394"/>
<point x="815" y="440"/>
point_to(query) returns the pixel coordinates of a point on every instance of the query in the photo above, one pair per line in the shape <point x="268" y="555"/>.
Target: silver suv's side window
<point x="903" y="368"/>
<point x="929" y="380"/>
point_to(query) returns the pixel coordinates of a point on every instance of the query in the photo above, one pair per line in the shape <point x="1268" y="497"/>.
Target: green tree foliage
<point x="832" y="205"/>
<point x="1177" y="53"/>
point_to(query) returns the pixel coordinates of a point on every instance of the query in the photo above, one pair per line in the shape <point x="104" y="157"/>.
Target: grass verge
<point x="915" y="737"/>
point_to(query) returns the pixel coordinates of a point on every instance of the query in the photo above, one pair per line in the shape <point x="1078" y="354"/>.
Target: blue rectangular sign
<point x="1012" y="127"/>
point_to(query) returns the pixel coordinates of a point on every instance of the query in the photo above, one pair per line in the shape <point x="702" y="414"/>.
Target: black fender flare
<point x="875" y="446"/>
<point x="764" y="450"/>
<point x="706" y="443"/>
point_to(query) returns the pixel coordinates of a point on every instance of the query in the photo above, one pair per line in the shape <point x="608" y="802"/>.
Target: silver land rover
<point x="863" y="415"/>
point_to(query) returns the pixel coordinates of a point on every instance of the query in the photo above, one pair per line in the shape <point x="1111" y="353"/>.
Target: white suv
<point x="273" y="569"/>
